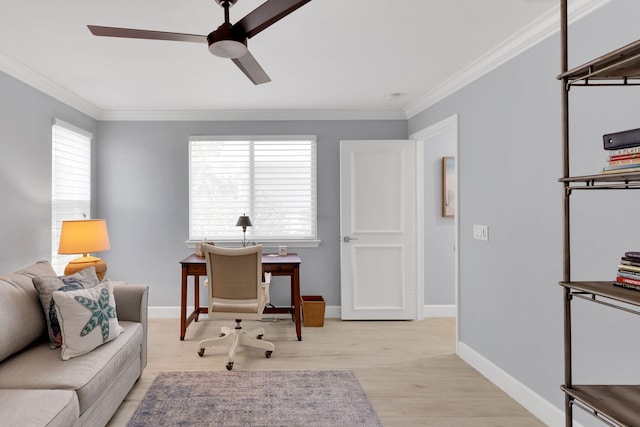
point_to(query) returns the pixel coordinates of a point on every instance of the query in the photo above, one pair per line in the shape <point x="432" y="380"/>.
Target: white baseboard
<point x="440" y="311"/>
<point x="533" y="402"/>
<point x="173" y="312"/>
<point x="330" y="312"/>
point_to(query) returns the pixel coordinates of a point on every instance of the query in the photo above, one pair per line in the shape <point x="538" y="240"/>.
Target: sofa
<point x="38" y="387"/>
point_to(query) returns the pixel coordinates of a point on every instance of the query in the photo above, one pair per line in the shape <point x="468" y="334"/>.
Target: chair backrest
<point x="235" y="282"/>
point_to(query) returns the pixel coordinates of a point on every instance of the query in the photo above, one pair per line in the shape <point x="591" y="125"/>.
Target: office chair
<point x="236" y="291"/>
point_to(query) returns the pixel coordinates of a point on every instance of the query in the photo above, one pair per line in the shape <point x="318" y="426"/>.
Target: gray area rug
<point x="261" y="398"/>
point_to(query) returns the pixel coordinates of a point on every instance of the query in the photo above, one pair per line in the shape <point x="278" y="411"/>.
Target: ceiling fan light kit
<point x="228" y="49"/>
<point x="229" y="40"/>
<point x="224" y="44"/>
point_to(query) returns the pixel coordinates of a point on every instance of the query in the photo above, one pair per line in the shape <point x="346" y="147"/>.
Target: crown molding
<point x="30" y="77"/>
<point x="251" y="115"/>
<point x="534" y="33"/>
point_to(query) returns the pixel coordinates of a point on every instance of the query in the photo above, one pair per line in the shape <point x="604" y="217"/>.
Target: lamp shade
<point x="84" y="236"/>
<point x="243" y="221"/>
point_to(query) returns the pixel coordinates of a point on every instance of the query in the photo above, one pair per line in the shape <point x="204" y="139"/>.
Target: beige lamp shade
<point x="84" y="237"/>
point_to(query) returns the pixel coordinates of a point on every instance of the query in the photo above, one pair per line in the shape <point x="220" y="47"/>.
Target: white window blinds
<point x="71" y="183"/>
<point x="271" y="179"/>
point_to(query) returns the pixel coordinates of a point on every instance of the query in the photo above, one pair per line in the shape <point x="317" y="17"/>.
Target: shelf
<point x="614" y="405"/>
<point x="614" y="68"/>
<point x="619" y="180"/>
<point x="592" y="290"/>
<point x="617" y="403"/>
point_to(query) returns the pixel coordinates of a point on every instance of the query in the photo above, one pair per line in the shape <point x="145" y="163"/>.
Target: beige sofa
<point x="37" y="387"/>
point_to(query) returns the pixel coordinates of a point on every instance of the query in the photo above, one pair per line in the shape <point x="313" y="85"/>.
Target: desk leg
<point x="196" y="296"/>
<point x="295" y="281"/>
<point x="183" y="304"/>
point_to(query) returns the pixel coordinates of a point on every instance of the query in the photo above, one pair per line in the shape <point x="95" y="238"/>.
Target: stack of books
<point x="623" y="150"/>
<point x="629" y="271"/>
<point x="623" y="160"/>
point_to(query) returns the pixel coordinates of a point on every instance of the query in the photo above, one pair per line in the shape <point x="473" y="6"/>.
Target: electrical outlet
<point x="481" y="232"/>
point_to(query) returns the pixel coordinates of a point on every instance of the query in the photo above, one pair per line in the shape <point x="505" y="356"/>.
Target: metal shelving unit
<point x="614" y="405"/>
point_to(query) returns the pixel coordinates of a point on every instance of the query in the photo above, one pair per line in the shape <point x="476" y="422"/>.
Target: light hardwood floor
<point x="409" y="370"/>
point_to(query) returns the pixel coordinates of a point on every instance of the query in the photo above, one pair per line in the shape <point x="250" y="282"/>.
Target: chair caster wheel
<point x="229" y="366"/>
<point x="201" y="352"/>
<point x="259" y="336"/>
<point x="267" y="354"/>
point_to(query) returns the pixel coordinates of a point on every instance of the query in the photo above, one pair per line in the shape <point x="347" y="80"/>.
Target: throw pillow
<point x="45" y="286"/>
<point x="87" y="317"/>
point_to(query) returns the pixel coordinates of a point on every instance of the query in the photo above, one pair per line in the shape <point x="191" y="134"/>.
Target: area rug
<point x="260" y="398"/>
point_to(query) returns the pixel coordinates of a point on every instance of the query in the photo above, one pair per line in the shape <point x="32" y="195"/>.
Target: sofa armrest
<point x="131" y="302"/>
<point x="132" y="305"/>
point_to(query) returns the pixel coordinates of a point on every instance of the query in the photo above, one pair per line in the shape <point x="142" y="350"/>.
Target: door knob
<point x="347" y="239"/>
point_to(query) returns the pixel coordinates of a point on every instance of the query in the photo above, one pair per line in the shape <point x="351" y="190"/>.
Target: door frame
<point x="449" y="123"/>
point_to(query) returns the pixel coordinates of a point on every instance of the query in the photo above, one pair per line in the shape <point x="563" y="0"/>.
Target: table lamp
<point x="82" y="237"/>
<point x="244" y="222"/>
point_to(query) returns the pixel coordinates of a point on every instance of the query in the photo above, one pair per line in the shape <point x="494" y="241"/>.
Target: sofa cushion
<point x="87" y="317"/>
<point x="21" y="319"/>
<point x="47" y="285"/>
<point x="51" y="408"/>
<point x="41" y="368"/>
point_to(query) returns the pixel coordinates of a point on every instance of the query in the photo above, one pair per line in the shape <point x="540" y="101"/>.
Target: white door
<point x="378" y="230"/>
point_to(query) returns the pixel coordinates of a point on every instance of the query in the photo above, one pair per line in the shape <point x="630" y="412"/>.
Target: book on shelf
<point x="619" y="167"/>
<point x="632" y="255"/>
<point x="629" y="267"/>
<point x="629" y="261"/>
<point x="611" y="158"/>
<point x="629" y="274"/>
<point x="624" y="151"/>
<point x="624" y="162"/>
<point x="620" y="170"/>
<point x="626" y="286"/>
<point x="622" y="139"/>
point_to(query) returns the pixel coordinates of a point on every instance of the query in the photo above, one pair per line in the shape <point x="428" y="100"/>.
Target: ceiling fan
<point x="228" y="40"/>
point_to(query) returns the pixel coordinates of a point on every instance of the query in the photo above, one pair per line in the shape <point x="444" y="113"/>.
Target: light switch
<point x="481" y="232"/>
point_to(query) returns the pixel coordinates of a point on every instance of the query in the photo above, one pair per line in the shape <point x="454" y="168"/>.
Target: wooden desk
<point x="287" y="265"/>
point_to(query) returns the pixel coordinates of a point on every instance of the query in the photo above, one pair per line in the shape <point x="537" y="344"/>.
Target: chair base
<point x="237" y="337"/>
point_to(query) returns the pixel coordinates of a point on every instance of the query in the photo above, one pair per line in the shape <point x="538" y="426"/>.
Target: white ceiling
<point x="328" y="55"/>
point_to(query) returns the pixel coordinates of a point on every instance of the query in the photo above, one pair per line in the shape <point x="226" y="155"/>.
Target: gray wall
<point x="439" y="231"/>
<point x="25" y="171"/>
<point x="509" y="163"/>
<point x="143" y="193"/>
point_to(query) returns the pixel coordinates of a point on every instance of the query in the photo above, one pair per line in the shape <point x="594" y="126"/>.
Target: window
<point x="71" y="183"/>
<point x="271" y="179"/>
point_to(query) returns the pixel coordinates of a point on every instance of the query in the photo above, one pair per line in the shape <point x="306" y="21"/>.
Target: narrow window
<point x="71" y="183"/>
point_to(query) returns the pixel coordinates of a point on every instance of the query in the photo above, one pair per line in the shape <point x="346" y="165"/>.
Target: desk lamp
<point x="244" y="222"/>
<point x="82" y="237"/>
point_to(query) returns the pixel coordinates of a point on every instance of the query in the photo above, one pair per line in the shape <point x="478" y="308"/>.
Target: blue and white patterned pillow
<point x="83" y="279"/>
<point x="87" y="317"/>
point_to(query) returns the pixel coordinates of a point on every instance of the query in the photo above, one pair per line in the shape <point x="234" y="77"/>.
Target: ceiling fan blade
<point x="265" y="15"/>
<point x="251" y="69"/>
<point x="144" y="34"/>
